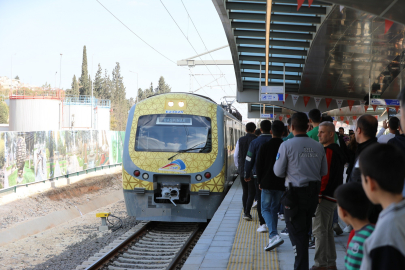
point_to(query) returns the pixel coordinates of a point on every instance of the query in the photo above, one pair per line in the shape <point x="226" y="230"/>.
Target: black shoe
<point x="284" y="232"/>
<point x="337" y="229"/>
<point x="311" y="245"/>
<point x="247" y="217"/>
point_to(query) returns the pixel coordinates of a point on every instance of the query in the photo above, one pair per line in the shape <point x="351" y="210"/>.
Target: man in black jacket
<point x="241" y="149"/>
<point x="365" y="133"/>
<point x="325" y="252"/>
<point x="272" y="186"/>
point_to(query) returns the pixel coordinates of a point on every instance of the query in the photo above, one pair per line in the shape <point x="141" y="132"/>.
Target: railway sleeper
<point x="160" y="246"/>
<point x="141" y="266"/>
<point x="165" y="241"/>
<point x="152" y="256"/>
<point x="139" y="249"/>
<point x="164" y="253"/>
<point x="137" y="261"/>
<point x="170" y="234"/>
<point x="124" y="268"/>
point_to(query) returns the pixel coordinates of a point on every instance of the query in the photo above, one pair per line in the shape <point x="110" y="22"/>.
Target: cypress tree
<point x="75" y="87"/>
<point x="98" y="83"/>
<point x="84" y="78"/>
<point x="106" y="86"/>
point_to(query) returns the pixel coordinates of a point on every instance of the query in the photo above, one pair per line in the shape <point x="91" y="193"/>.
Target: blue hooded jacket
<point x="253" y="152"/>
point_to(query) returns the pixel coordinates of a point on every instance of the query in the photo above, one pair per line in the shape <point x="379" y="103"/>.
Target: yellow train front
<point x="178" y="157"/>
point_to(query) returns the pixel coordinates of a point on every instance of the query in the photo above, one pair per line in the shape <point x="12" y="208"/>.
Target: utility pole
<point x="60" y="71"/>
<point x="55" y="79"/>
<point x="136" y="92"/>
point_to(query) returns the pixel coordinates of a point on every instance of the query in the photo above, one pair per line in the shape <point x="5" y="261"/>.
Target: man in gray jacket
<point x="302" y="162"/>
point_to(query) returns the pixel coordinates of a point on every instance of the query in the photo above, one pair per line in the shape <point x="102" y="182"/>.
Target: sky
<point x="34" y="33"/>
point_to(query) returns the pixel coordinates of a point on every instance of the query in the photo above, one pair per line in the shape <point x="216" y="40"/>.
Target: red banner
<point x="299" y="2"/>
<point x="306" y="99"/>
<point x="341" y="118"/>
<point x="310" y="2"/>
<point x="335" y="122"/>
<point x="347" y="122"/>
<point x="350" y="103"/>
<point x="288" y="116"/>
<point x="388" y="109"/>
<point x="354" y="117"/>
<point x="388" y="24"/>
<point x="280" y="118"/>
<point x="365" y="108"/>
<point x="397" y="108"/>
<point x="328" y="101"/>
<point x="285" y="98"/>
<point x="374" y="107"/>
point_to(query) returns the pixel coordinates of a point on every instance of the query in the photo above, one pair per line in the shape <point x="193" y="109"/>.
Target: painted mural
<point x="27" y="157"/>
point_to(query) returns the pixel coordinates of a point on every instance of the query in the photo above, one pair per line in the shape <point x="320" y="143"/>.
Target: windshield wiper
<point x="186" y="150"/>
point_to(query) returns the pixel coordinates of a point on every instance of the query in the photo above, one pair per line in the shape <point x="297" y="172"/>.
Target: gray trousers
<point x="325" y="251"/>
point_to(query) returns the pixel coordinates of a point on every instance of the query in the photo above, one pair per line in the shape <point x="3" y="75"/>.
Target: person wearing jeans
<point x="272" y="187"/>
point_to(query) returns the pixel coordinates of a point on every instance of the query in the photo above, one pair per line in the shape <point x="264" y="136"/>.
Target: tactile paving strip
<point x="248" y="248"/>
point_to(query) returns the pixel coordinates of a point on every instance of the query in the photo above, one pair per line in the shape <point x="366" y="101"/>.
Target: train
<point x="178" y="157"/>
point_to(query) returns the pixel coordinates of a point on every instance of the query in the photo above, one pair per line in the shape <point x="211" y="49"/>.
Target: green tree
<point x="118" y="98"/>
<point x="140" y="94"/>
<point x="74" y="91"/>
<point x="106" y="86"/>
<point x="84" y="78"/>
<point x="3" y="113"/>
<point x="163" y="86"/>
<point x="17" y="78"/>
<point x="46" y="86"/>
<point x="98" y="83"/>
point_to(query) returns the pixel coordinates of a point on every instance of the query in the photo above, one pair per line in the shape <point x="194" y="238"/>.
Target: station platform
<point x="230" y="242"/>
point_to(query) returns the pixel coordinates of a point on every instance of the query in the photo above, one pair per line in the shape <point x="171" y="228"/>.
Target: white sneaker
<point x="274" y="242"/>
<point x="281" y="217"/>
<point x="254" y="204"/>
<point x="348" y="229"/>
<point x="263" y="228"/>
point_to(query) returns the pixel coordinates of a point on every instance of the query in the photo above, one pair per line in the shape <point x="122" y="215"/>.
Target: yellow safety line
<point x="248" y="248"/>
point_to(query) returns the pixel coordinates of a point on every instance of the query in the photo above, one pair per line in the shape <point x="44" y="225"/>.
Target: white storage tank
<point x="35" y="113"/>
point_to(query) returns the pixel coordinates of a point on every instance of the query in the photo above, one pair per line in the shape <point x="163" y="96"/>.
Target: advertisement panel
<point x="27" y="157"/>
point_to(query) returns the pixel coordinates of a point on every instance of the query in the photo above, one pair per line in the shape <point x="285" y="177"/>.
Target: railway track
<point x="156" y="246"/>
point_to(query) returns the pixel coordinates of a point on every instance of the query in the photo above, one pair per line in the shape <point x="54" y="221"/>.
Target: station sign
<point x="266" y="115"/>
<point x="385" y="102"/>
<point x="272" y="89"/>
<point x="272" y="97"/>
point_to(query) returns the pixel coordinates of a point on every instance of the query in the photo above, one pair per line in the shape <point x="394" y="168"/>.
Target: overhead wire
<point x="150" y="46"/>
<point x="189" y="41"/>
<point x="202" y="40"/>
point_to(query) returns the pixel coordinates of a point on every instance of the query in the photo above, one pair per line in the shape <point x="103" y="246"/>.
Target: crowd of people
<point x="297" y="173"/>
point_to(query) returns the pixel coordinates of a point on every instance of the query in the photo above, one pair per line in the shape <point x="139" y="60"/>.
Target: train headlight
<point x="145" y="176"/>
<point x="181" y="104"/>
<point x="207" y="175"/>
<point x="198" y="177"/>
<point x="170" y="103"/>
<point x="137" y="173"/>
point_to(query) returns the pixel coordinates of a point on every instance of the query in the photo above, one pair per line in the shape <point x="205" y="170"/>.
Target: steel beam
<point x="281" y="43"/>
<point x="274" y="26"/>
<point x="272" y="59"/>
<point x="271" y="76"/>
<point x="274" y="18"/>
<point x="253" y="33"/>
<point x="272" y="67"/>
<point x="272" y="51"/>
<point x="276" y="8"/>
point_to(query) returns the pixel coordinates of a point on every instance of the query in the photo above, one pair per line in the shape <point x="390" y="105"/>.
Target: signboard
<point x="266" y="115"/>
<point x="377" y="96"/>
<point x="272" y="97"/>
<point x="385" y="102"/>
<point x="272" y="90"/>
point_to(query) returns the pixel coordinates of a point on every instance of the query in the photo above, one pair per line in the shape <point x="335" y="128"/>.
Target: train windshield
<point x="173" y="133"/>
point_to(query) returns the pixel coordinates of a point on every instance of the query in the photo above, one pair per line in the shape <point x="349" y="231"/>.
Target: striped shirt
<point x="355" y="251"/>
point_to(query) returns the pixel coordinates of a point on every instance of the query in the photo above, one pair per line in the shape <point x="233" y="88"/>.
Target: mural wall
<point x="27" y="157"/>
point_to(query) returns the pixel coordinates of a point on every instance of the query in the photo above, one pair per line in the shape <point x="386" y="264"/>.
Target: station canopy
<point x="336" y="52"/>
